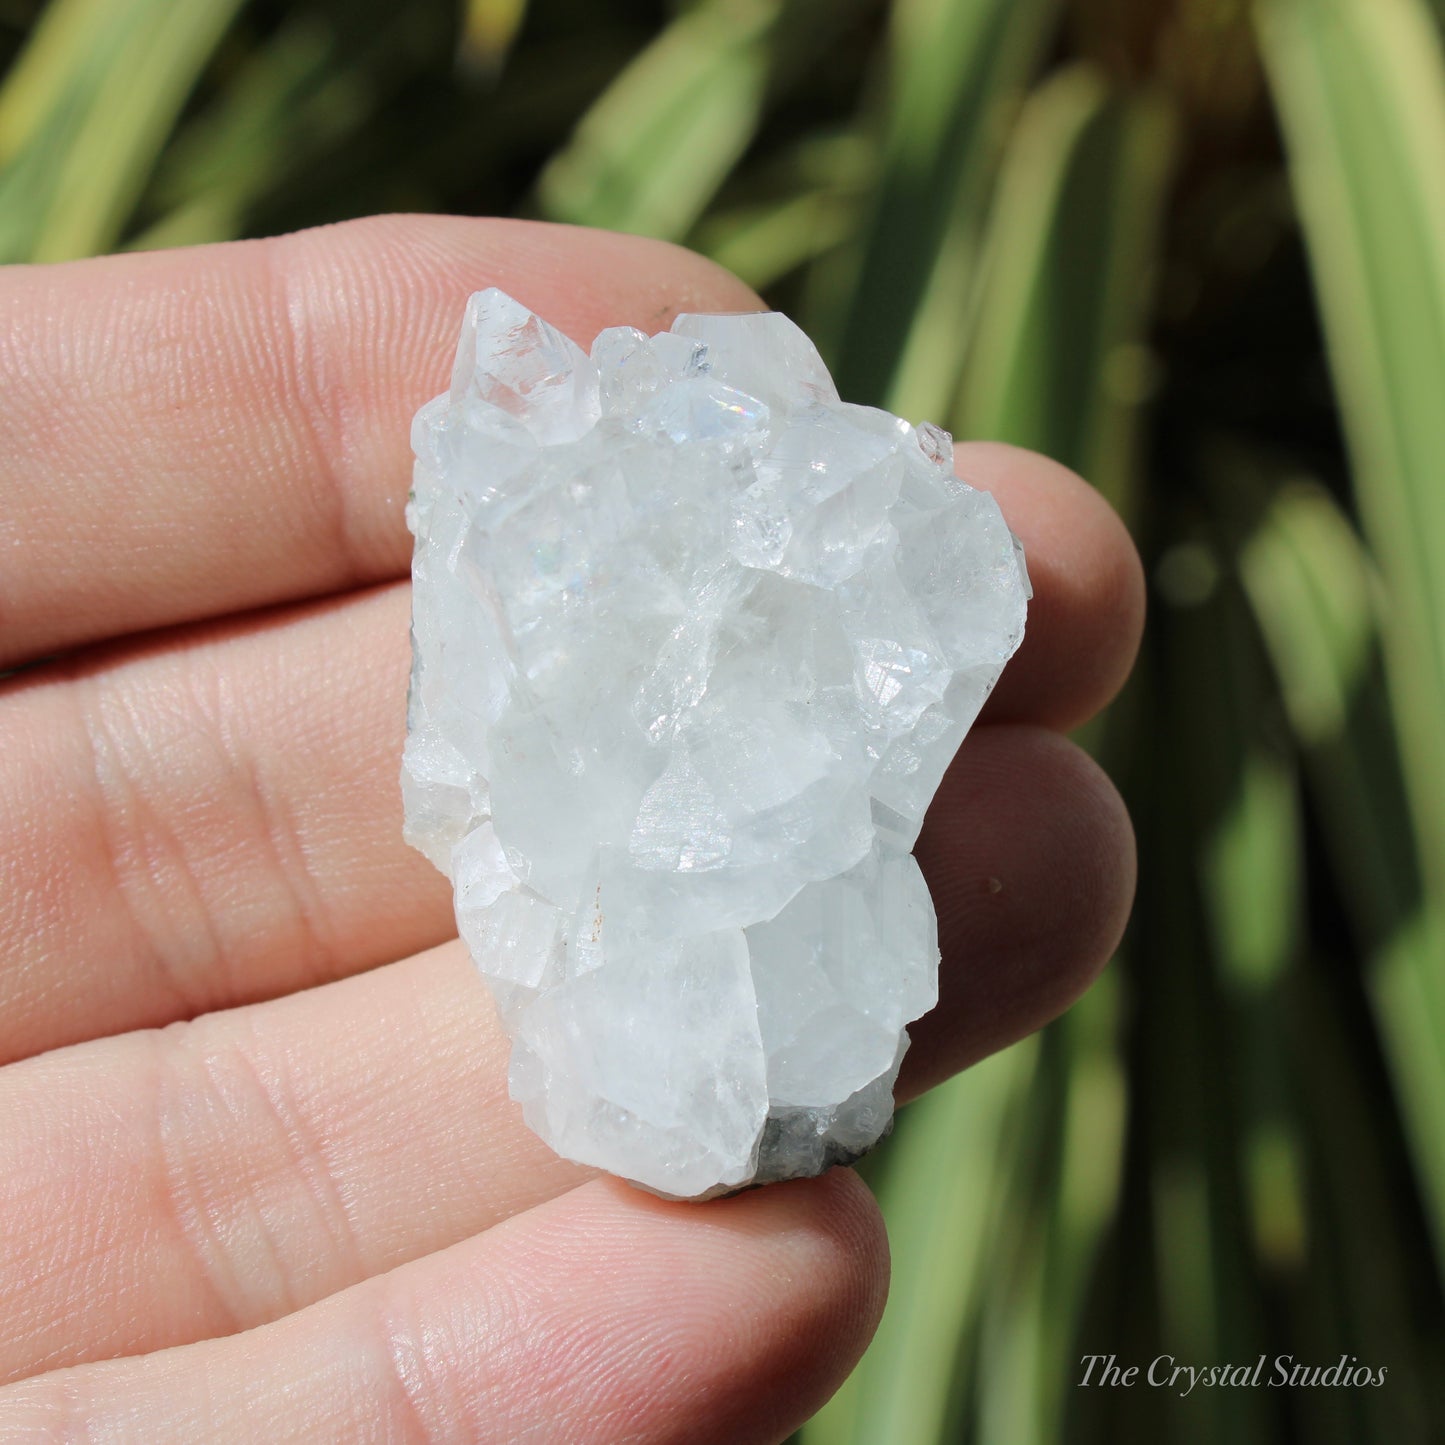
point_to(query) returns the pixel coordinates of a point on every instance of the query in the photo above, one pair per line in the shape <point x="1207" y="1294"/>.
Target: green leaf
<point x="36" y="84"/>
<point x="1316" y="596"/>
<point x="489" y="30"/>
<point x="651" y="153"/>
<point x="1057" y="359"/>
<point x="802" y="204"/>
<point x="1066" y="1163"/>
<point x="286" y="102"/>
<point x="1311" y="585"/>
<point x="1360" y="86"/>
<point x="86" y="113"/>
<point x="762" y="244"/>
<point x="941" y="1193"/>
<point x="1253" y="873"/>
<point x="957" y="71"/>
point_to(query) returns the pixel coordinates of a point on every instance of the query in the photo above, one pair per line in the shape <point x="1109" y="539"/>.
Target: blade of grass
<point x="940" y="1194"/>
<point x="1318" y="603"/>
<point x="1007" y="1408"/>
<point x="1315" y="595"/>
<point x="1253" y="874"/>
<point x="1082" y="1202"/>
<point x="286" y="103"/>
<point x="1056" y="359"/>
<point x="652" y="152"/>
<point x="1065" y="1173"/>
<point x="44" y="71"/>
<point x="1360" y="87"/>
<point x="764" y="243"/>
<point x="787" y="213"/>
<point x="90" y="128"/>
<point x="957" y="70"/>
<point x="1315" y="1170"/>
<point x="489" y="29"/>
<point x="1214" y="1083"/>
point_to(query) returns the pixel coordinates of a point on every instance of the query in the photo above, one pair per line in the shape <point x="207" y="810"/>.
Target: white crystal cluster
<point x="694" y="642"/>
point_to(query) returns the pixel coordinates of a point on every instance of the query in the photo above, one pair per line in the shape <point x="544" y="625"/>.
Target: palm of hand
<point x="310" y="1212"/>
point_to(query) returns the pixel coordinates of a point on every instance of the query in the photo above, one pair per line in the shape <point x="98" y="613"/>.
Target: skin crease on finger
<point x="208" y="821"/>
<point x="547" y="1327"/>
<point x="224" y="1172"/>
<point x="295" y="363"/>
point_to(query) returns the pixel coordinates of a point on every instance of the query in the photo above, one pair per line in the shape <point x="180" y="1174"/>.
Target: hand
<point x="259" y="1179"/>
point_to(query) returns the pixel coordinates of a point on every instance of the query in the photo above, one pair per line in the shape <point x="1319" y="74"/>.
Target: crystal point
<point x="693" y="643"/>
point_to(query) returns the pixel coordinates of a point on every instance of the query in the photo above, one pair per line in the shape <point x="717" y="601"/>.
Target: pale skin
<point x="259" y="1175"/>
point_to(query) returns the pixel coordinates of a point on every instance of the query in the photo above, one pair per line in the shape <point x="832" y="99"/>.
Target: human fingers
<point x="1029" y="913"/>
<point x="223" y="1173"/>
<point x="210" y="815"/>
<point x="202" y="819"/>
<point x="1087" y="613"/>
<point x="602" y="1315"/>
<point x="189" y="433"/>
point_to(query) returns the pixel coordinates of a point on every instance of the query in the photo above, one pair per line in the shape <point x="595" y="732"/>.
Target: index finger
<point x="188" y="434"/>
<point x="191" y="433"/>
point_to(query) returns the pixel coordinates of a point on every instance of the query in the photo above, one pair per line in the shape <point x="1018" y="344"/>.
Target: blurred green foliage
<point x="1193" y="248"/>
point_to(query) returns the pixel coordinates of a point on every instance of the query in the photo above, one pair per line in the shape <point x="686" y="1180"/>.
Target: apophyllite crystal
<point x="694" y="642"/>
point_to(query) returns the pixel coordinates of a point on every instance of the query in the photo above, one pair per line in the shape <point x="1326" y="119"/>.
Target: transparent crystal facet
<point x="693" y="643"/>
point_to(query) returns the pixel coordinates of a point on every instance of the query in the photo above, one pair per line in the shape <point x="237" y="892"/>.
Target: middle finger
<point x="207" y="819"/>
<point x="213" y="816"/>
<point x="226" y="1172"/>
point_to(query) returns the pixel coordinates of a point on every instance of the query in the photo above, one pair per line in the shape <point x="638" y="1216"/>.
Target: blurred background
<point x="1196" y="250"/>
